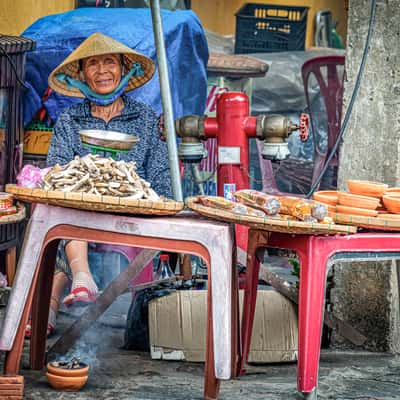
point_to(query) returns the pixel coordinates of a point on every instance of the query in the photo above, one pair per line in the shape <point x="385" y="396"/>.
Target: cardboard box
<point x="177" y="326"/>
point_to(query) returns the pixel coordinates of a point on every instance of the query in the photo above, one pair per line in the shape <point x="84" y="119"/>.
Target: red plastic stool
<point x="315" y="252"/>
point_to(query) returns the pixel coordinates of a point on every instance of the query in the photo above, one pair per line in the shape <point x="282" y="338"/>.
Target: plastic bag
<point x="31" y="176"/>
<point x="224" y="204"/>
<point x="303" y="209"/>
<point x="137" y="325"/>
<point x="262" y="201"/>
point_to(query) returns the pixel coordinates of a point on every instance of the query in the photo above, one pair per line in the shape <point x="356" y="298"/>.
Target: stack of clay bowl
<point x="63" y="377"/>
<point x="363" y="199"/>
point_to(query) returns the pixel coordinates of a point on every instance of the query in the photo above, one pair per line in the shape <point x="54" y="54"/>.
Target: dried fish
<point x="100" y="176"/>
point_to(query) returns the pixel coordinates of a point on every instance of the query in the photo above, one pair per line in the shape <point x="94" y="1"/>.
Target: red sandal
<point x="28" y="329"/>
<point x="80" y="296"/>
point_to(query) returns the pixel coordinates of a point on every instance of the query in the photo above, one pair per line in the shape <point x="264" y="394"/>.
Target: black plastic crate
<point x="266" y="28"/>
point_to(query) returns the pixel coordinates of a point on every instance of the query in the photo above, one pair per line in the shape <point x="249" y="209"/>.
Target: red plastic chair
<point x="329" y="74"/>
<point x="314" y="253"/>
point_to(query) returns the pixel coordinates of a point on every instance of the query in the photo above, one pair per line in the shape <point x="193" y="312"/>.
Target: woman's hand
<point x="161" y="127"/>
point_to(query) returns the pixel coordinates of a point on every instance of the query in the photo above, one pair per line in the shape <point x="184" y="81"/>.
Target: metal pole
<point x="166" y="100"/>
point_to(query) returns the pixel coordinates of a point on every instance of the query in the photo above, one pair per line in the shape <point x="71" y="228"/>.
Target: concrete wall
<point x="17" y="15"/>
<point x="366" y="294"/>
<point x="371" y="145"/>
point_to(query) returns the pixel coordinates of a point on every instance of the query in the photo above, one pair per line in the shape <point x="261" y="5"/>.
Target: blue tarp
<point x="57" y="35"/>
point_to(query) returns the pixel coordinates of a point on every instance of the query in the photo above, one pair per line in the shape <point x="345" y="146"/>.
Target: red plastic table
<point x="316" y="254"/>
<point x="189" y="234"/>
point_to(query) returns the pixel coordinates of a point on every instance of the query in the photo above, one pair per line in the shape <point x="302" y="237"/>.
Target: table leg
<point x="41" y="304"/>
<point x="311" y="305"/>
<point x="13" y="357"/>
<point x="256" y="239"/>
<point x="211" y="383"/>
<point x="11" y="263"/>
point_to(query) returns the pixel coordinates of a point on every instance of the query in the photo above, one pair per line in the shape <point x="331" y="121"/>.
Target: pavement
<point x="129" y="375"/>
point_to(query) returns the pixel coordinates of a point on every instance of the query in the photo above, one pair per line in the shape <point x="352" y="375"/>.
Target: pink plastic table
<point x="190" y="234"/>
<point x="316" y="254"/>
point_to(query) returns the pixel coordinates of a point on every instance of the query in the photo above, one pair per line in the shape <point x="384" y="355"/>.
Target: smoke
<point x="85" y="351"/>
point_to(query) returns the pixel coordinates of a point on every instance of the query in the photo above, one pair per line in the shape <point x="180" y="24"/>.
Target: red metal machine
<point x="232" y="127"/>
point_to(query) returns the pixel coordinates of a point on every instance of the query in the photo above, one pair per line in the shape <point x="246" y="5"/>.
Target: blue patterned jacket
<point x="150" y="153"/>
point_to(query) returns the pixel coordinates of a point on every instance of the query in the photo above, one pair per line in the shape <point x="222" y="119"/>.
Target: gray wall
<point x="366" y="294"/>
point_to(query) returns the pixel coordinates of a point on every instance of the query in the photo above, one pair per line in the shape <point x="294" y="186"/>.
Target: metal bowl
<point x="109" y="139"/>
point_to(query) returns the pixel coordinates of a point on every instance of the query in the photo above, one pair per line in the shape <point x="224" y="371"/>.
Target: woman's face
<point x="102" y="73"/>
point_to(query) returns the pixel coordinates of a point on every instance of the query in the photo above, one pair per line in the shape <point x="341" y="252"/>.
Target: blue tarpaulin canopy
<point x="56" y="36"/>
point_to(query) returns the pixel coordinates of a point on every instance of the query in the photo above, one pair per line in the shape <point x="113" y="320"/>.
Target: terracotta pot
<point x="367" y="188"/>
<point x="68" y="383"/>
<point x="326" y="197"/>
<point x="82" y="371"/>
<point x="392" y="202"/>
<point x="356" y="211"/>
<point x="355" y="200"/>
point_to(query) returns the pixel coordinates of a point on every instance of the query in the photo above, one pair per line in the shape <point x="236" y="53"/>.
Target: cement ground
<point x="126" y="375"/>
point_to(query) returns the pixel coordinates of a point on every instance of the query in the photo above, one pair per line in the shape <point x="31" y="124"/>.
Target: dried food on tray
<point x="100" y="176"/>
<point x="303" y="209"/>
<point x="283" y="223"/>
<point x="262" y="201"/>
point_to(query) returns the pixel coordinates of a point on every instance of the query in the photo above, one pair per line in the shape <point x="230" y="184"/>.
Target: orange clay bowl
<point x="68" y="383"/>
<point x="393" y="190"/>
<point x="326" y="197"/>
<point x="389" y="216"/>
<point x="367" y="188"/>
<point x="392" y="202"/>
<point x="356" y="211"/>
<point x="82" y="371"/>
<point x="355" y="200"/>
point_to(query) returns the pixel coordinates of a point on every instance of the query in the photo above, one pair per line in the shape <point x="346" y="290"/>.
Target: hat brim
<point x="96" y="45"/>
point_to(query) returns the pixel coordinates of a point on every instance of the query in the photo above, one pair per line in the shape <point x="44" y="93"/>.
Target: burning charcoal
<point x="75" y="363"/>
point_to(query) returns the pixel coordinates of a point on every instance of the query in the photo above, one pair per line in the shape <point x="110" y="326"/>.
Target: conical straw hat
<point x="95" y="45"/>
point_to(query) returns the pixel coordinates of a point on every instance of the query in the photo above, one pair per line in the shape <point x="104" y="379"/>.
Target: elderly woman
<point x="101" y="70"/>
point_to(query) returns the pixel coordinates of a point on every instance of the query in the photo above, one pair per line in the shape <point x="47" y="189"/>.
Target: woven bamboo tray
<point x="375" y="223"/>
<point x="13" y="218"/>
<point x="92" y="202"/>
<point x="270" y="224"/>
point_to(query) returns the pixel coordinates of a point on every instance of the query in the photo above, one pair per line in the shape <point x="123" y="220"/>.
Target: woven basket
<point x="375" y="223"/>
<point x="92" y="202"/>
<point x="270" y="224"/>
<point x="13" y="218"/>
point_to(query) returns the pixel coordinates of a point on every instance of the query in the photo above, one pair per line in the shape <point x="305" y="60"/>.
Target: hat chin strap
<point x="101" y="99"/>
